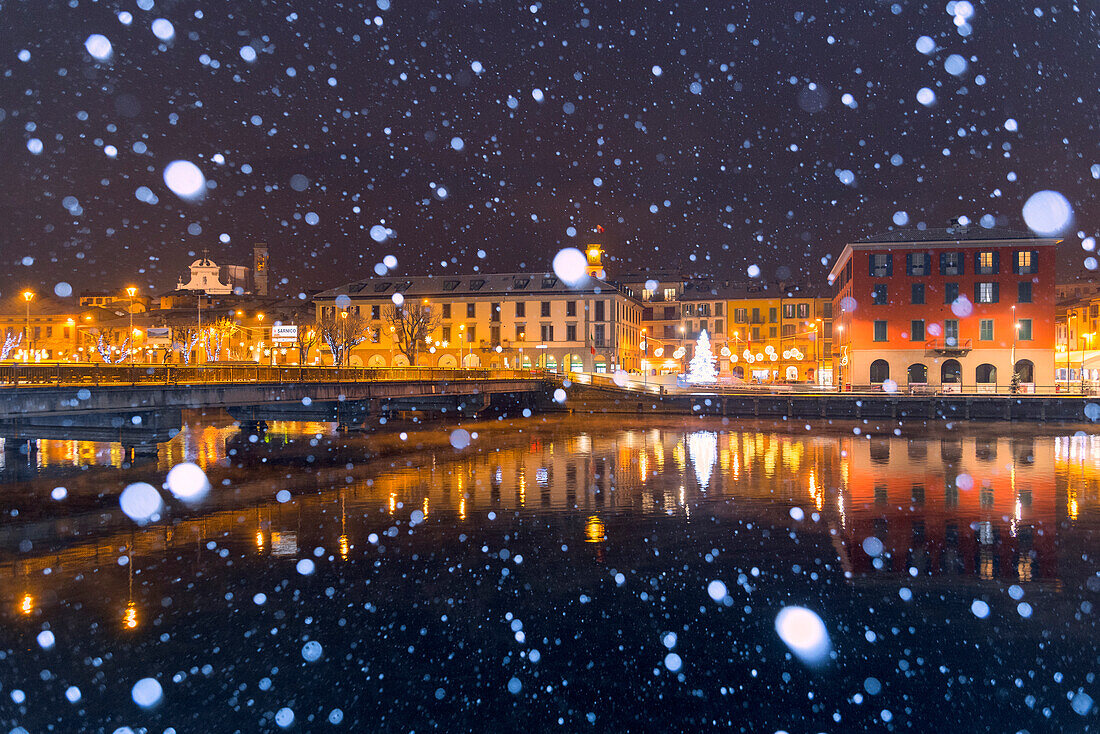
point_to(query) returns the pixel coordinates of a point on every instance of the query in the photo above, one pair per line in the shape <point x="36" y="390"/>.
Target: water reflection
<point x="972" y="506"/>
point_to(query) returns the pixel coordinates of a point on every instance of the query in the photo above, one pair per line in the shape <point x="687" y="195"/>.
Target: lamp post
<point x="130" y="291"/>
<point x="1015" y="335"/>
<point x="27" y="296"/>
<point x="1088" y="346"/>
<point x="818" y="349"/>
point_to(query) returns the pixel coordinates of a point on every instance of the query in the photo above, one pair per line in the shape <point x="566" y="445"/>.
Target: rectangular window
<point x="827" y="309"/>
<point x="882" y="265"/>
<point x="718" y="326"/>
<point x="544" y="309"/>
<point x="916" y="330"/>
<point x="986" y="292"/>
<point x="647" y="295"/>
<point x="788" y="310"/>
<point x="376" y="311"/>
<point x="771" y="332"/>
<point x="880" y="331"/>
<point x="917" y="297"/>
<point x="704" y="309"/>
<point x="570" y="332"/>
<point x="878" y="296"/>
<point x="598" y="333"/>
<point x="986" y="262"/>
<point x="521" y="332"/>
<point x="548" y="332"/>
<point x="521" y="309"/>
<point x="951" y="332"/>
<point x="756" y="333"/>
<point x="571" y="308"/>
<point x="788" y="329"/>
<point x="951" y="263"/>
<point x="916" y="263"/>
<point x="985" y="330"/>
<point x="447" y="334"/>
<point x="471" y="333"/>
<point x="600" y="311"/>
<point x="1023" y="291"/>
<point x="741" y="315"/>
<point x="718" y="307"/>
<point x="1025" y="262"/>
<point x="670" y="312"/>
<point x="670" y="294"/>
<point x="471" y="310"/>
<point x="494" y="312"/>
<point x="1023" y="333"/>
<point x="703" y="325"/>
<point x="689" y="309"/>
<point x="756" y="316"/>
<point x="803" y="310"/>
<point x="950" y="292"/>
<point x="494" y="334"/>
<point x="773" y="315"/>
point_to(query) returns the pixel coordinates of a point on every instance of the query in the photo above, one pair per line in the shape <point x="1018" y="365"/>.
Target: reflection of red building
<point x="957" y="308"/>
<point x="984" y="507"/>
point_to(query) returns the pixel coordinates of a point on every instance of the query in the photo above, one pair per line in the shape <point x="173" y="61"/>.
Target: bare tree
<point x="217" y="335"/>
<point x="308" y="335"/>
<point x="12" y="339"/>
<point x="108" y="348"/>
<point x="341" y="332"/>
<point x="411" y="326"/>
<point x="185" y="339"/>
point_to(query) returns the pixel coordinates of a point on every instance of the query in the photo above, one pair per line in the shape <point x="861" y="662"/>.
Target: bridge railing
<point x="15" y="375"/>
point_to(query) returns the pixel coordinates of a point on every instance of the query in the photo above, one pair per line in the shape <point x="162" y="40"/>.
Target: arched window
<point x="917" y="374"/>
<point x="951" y="372"/>
<point x="880" y="371"/>
<point x="739" y="372"/>
<point x="1026" y="370"/>
<point x="985" y="374"/>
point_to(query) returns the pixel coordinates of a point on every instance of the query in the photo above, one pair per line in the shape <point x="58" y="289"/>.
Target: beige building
<point x="505" y="320"/>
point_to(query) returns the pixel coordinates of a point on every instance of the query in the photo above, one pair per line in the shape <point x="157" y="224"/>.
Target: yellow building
<point x="34" y="328"/>
<point x="506" y="320"/>
<point x="1077" y="344"/>
<point x="780" y="335"/>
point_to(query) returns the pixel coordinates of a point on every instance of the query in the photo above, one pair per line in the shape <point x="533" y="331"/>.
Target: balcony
<point x="949" y="346"/>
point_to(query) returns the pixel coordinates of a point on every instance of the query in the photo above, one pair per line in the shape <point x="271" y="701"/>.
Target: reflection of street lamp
<point x="27" y="296"/>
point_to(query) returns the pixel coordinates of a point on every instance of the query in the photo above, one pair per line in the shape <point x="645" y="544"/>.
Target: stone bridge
<point x="141" y="405"/>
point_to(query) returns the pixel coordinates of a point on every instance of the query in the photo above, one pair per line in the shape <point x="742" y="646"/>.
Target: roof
<point x="948" y="234"/>
<point x="15" y="304"/>
<point x="470" y="286"/>
<point x="913" y="239"/>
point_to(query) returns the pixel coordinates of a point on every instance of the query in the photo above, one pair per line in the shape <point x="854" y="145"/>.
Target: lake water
<point x="559" y="574"/>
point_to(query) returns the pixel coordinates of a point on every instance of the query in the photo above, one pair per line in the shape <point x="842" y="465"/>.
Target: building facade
<point x="501" y="320"/>
<point x="950" y="309"/>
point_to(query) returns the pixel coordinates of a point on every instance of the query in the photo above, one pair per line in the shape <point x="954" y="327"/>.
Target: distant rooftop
<point x="948" y="234"/>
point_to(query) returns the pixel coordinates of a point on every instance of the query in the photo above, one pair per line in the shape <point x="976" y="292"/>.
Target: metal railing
<point x="19" y="375"/>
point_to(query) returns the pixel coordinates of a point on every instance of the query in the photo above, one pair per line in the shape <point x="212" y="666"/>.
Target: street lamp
<point x="27" y="296"/>
<point x="130" y="295"/>
<point x="1015" y="335"/>
<point x="818" y="349"/>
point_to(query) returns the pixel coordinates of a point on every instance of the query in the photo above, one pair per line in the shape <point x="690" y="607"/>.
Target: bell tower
<point x="594" y="255"/>
<point x="259" y="268"/>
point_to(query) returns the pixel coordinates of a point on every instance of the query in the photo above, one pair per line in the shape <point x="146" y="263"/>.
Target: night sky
<point x="702" y="137"/>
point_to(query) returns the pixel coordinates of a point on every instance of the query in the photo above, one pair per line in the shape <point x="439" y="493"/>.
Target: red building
<point x="949" y="309"/>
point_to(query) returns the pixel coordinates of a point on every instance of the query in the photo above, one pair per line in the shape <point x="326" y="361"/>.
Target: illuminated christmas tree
<point x="701" y="369"/>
